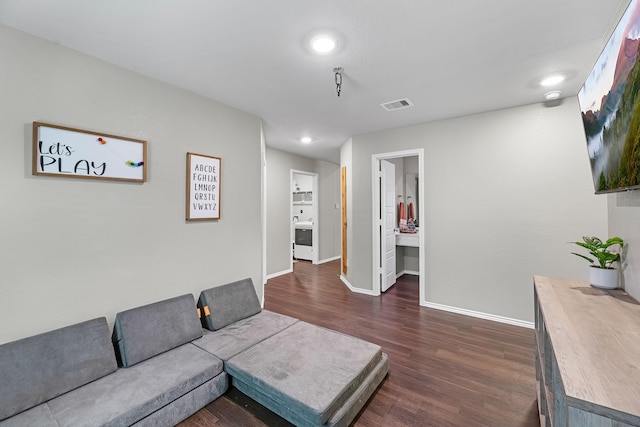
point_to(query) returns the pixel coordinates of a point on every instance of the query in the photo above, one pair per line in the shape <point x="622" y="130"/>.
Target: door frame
<point x="316" y="223"/>
<point x="375" y="207"/>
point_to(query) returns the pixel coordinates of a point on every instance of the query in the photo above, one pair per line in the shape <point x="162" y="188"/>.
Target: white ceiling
<point x="450" y="58"/>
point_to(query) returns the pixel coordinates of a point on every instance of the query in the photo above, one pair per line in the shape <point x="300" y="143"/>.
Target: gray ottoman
<point x="309" y="375"/>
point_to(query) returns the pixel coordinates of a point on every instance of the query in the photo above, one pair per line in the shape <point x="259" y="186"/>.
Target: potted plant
<point x="601" y="274"/>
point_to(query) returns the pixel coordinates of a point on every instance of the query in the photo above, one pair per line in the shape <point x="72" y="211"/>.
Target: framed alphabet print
<point x="74" y="153"/>
<point x="203" y="187"/>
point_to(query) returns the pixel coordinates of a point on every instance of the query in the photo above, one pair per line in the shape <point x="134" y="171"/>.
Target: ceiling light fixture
<point x="323" y="43"/>
<point x="305" y="139"/>
<point x="552" y="80"/>
<point x="552" y="95"/>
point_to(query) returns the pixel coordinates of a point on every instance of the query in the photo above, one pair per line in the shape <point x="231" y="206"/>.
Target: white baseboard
<point x="329" y="259"/>
<point x="279" y="273"/>
<point x="345" y="281"/>
<point x="357" y="290"/>
<point x="486" y="316"/>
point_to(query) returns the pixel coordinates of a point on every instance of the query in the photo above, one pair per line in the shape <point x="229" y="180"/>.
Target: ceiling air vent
<point x="397" y="105"/>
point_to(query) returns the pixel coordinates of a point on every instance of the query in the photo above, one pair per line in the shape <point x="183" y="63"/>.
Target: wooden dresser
<point x="588" y="355"/>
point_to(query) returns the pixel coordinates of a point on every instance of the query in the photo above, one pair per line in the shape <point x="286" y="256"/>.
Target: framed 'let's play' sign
<point x="75" y="153"/>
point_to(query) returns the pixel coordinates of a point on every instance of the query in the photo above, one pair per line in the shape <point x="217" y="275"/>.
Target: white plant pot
<point x="605" y="278"/>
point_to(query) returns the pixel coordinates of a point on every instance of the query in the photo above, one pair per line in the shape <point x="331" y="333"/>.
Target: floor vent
<point x="397" y="105"/>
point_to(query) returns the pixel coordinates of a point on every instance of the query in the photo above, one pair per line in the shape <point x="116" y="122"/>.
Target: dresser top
<point x="595" y="336"/>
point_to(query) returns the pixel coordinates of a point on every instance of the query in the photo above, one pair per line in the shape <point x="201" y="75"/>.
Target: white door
<point x="388" y="223"/>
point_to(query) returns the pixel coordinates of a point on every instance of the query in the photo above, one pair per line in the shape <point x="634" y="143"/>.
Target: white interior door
<point x="388" y="223"/>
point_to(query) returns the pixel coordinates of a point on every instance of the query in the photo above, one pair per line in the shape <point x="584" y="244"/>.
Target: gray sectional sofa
<point x="70" y="376"/>
<point x="162" y="364"/>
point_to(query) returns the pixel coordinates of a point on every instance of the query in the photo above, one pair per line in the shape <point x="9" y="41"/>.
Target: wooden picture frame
<point x="74" y="153"/>
<point x="203" y="187"/>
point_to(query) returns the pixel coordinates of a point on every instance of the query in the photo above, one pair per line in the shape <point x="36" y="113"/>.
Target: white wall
<point x="74" y="249"/>
<point x="505" y="191"/>
<point x="624" y="222"/>
<point x="305" y="182"/>
<point x="303" y="212"/>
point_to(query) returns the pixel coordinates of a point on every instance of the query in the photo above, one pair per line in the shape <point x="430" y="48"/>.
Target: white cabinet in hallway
<point x="408" y="239"/>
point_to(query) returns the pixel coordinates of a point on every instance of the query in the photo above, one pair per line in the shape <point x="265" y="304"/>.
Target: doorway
<point x="303" y="202"/>
<point x="381" y="205"/>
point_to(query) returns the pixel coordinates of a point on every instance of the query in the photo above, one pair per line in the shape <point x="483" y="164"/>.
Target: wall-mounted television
<point x="610" y="108"/>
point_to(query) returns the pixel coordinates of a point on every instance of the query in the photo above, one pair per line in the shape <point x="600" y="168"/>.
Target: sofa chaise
<point x="309" y="375"/>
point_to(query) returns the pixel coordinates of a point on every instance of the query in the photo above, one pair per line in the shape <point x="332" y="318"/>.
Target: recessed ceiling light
<point x="552" y="80"/>
<point x="553" y="95"/>
<point x="305" y="139"/>
<point x="323" y="43"/>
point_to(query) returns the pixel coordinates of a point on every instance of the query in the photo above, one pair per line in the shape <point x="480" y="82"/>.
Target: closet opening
<point x="398" y="213"/>
<point x="304" y="216"/>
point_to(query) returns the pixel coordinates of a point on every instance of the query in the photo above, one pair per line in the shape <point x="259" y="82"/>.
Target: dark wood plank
<point x="445" y="369"/>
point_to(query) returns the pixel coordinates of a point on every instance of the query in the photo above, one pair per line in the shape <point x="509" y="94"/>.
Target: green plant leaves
<point x="582" y="256"/>
<point x="592" y="241"/>
<point x="614" y="241"/>
<point x="600" y="250"/>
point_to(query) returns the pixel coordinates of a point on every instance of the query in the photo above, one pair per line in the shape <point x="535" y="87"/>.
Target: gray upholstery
<point x="146" y="331"/>
<point x="39" y="416"/>
<point x="239" y="336"/>
<point x="187" y="405"/>
<point x="355" y="403"/>
<point x="69" y="377"/>
<point x="131" y="394"/>
<point x="342" y="417"/>
<point x="307" y="369"/>
<point x="228" y="304"/>
<point x="38" y="368"/>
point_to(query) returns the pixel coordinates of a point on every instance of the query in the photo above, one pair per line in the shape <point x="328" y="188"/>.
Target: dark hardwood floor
<point x="445" y="369"/>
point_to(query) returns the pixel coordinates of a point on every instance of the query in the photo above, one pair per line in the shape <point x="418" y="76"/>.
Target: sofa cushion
<point x="228" y="303"/>
<point x="143" y="332"/>
<point x="307" y="369"/>
<point x="130" y="394"/>
<point x="239" y="336"/>
<point x="188" y="404"/>
<point x="342" y="417"/>
<point x="39" y="416"/>
<point x="354" y="404"/>
<point x="38" y="368"/>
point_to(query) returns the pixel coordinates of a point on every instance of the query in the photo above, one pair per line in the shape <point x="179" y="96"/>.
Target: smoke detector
<point x="397" y="104"/>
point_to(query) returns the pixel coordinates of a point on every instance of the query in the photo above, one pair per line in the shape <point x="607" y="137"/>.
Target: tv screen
<point x="611" y="108"/>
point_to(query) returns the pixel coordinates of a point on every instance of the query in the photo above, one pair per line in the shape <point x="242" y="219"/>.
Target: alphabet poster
<point x="203" y="187"/>
<point x="68" y="152"/>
